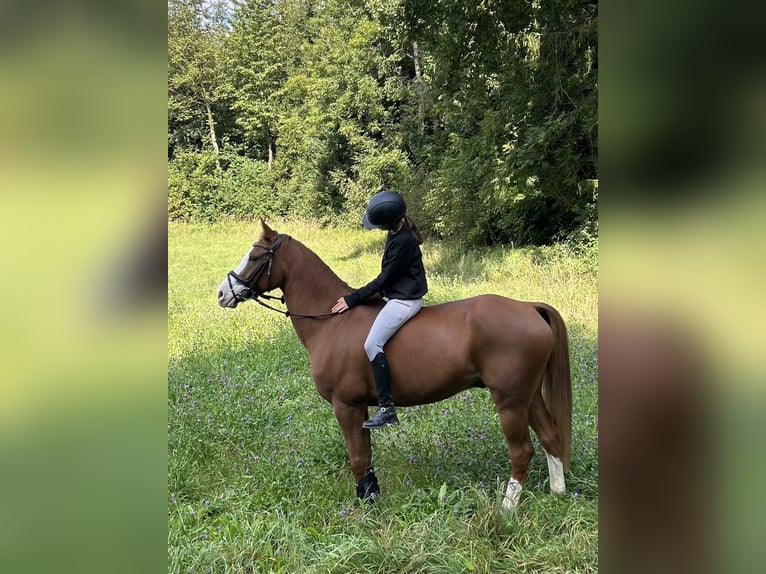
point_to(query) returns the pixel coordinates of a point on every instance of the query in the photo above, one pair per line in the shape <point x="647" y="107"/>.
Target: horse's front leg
<point x="350" y="419"/>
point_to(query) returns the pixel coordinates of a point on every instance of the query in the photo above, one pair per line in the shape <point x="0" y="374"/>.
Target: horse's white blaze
<point x="512" y="494"/>
<point x="242" y="264"/>
<point x="556" y="472"/>
<point x="230" y="287"/>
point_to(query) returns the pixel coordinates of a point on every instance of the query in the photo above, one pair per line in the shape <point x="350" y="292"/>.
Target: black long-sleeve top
<point x="402" y="275"/>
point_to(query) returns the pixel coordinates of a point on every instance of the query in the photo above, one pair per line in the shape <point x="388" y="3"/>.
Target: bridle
<point x="251" y="291"/>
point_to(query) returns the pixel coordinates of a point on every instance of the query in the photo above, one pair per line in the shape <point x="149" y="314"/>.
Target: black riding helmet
<point x="384" y="209"/>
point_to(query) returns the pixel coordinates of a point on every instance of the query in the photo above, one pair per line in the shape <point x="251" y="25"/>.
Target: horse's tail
<point x="557" y="381"/>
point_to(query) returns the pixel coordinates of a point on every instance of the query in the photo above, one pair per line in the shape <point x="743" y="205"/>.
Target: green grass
<point x="258" y="477"/>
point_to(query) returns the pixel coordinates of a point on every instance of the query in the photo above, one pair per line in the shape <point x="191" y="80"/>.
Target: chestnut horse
<point x="518" y="350"/>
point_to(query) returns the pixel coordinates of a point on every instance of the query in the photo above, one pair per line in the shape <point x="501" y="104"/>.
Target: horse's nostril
<point x="220" y="294"/>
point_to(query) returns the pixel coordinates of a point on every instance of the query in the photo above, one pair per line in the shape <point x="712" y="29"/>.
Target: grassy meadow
<point x="258" y="477"/>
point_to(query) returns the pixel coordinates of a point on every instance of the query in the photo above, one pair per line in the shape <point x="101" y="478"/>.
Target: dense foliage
<point x="482" y="114"/>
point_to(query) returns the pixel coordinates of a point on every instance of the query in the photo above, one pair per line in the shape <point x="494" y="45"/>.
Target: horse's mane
<point x="323" y="271"/>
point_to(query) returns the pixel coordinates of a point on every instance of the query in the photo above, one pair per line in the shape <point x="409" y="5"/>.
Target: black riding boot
<point x="385" y="414"/>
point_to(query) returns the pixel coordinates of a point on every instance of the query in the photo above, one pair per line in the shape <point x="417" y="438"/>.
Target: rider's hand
<point x="340" y="306"/>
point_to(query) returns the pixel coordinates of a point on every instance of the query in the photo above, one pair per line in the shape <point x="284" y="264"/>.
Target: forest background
<point x="483" y="115"/>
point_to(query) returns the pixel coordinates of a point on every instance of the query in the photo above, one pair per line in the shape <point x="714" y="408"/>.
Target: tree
<point x="256" y="60"/>
<point x="337" y="127"/>
<point x="483" y="114"/>
<point x="512" y="101"/>
<point x="197" y="77"/>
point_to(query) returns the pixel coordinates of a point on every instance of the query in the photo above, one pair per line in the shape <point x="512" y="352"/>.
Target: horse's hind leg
<point x="514" y="421"/>
<point x="542" y="423"/>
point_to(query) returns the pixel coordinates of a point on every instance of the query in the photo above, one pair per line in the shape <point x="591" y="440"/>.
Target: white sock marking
<point x="512" y="495"/>
<point x="556" y="472"/>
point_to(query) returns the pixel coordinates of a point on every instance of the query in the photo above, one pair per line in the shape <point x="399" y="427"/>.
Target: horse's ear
<point x="268" y="233"/>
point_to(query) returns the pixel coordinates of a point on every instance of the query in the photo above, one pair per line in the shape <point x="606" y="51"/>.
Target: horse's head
<point x="255" y="274"/>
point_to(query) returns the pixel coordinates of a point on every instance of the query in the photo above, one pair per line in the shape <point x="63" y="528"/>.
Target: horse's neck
<point x="310" y="287"/>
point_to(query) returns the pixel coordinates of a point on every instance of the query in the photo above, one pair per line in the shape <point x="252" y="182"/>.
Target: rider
<point x="402" y="283"/>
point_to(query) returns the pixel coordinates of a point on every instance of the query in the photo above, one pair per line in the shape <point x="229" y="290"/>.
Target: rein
<point x="251" y="292"/>
<point x="288" y="313"/>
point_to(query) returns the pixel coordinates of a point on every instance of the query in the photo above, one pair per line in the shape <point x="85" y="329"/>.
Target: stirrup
<point x="384" y="416"/>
